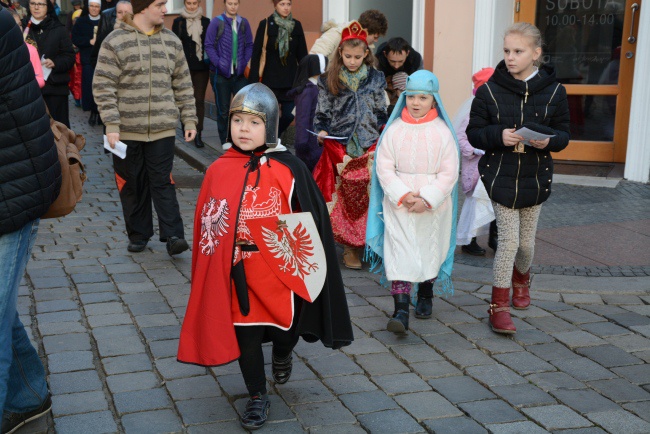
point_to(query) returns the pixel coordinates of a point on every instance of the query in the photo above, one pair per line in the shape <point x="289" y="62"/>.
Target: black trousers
<point x="58" y="107"/>
<point x="200" y="81"/>
<point x="87" y="100"/>
<point x="251" y="361"/>
<point x="145" y="174"/>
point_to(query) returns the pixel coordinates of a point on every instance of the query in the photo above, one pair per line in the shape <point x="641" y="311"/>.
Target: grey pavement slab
<point x="75" y="403"/>
<point x="141" y="400"/>
<point x="395" y="384"/>
<point x="454" y="425"/>
<point x="523" y="395"/>
<point x="620" y="390"/>
<point x="637" y="374"/>
<point x="127" y="363"/>
<point x="427" y="405"/>
<point x="70" y="361"/>
<point x="205" y="410"/>
<point x="132" y="381"/>
<point x="516" y="428"/>
<point x="191" y="388"/>
<point x="381" y="364"/>
<point x="583" y="369"/>
<point x="417" y="353"/>
<point x="609" y="356"/>
<point x="152" y="422"/>
<point x="323" y="414"/>
<point x="460" y="389"/>
<point x="524" y="363"/>
<point x="495" y="375"/>
<point x="306" y="391"/>
<point x="337" y="363"/>
<point x="585" y="400"/>
<point x="390" y="421"/>
<point x="553" y="417"/>
<point x="66" y="342"/>
<point x="368" y="402"/>
<point x="170" y="369"/>
<point x="435" y="369"/>
<point x="469" y="357"/>
<point x="71" y="382"/>
<point x="555" y="380"/>
<point x="620" y="421"/>
<point x="349" y="384"/>
<point x="491" y="411"/>
<point x="101" y="422"/>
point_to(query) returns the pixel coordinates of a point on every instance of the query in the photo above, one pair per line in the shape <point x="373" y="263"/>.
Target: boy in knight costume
<point x="264" y="264"/>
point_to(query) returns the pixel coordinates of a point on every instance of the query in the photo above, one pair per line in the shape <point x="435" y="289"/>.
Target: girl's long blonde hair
<point x="529" y="31"/>
<point x="333" y="83"/>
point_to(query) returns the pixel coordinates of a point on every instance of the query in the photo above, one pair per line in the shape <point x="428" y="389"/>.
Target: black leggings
<point x="251" y="361"/>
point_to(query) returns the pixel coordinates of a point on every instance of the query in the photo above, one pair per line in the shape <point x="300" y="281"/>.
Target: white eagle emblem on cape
<point x="213" y="224"/>
<point x="294" y="249"/>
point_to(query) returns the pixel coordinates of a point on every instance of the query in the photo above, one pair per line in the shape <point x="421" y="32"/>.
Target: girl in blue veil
<point x="411" y="229"/>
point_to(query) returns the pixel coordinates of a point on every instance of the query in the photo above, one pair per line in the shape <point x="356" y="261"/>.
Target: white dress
<point x="417" y="158"/>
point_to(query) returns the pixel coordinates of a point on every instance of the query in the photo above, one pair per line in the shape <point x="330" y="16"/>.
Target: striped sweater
<point x="142" y="82"/>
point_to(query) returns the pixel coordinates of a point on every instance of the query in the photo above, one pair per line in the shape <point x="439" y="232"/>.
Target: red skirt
<point x="347" y="194"/>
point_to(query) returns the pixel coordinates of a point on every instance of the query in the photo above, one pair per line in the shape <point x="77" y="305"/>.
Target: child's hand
<point x="410" y="200"/>
<point x="419" y="206"/>
<point x="539" y="144"/>
<point x="510" y="138"/>
<point x="321" y="136"/>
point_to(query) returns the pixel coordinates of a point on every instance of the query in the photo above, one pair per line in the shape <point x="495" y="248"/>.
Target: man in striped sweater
<point x="141" y="84"/>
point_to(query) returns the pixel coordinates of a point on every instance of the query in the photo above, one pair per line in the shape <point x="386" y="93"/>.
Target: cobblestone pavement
<point x="106" y="323"/>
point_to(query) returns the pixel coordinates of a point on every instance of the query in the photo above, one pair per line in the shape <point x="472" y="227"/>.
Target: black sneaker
<point x="137" y="246"/>
<point x="11" y="422"/>
<point x="256" y="413"/>
<point x="176" y="245"/>
<point x="473" y="249"/>
<point x="281" y="368"/>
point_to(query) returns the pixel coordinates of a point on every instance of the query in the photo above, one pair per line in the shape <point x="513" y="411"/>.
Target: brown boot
<point x="520" y="289"/>
<point x="351" y="258"/>
<point x="500" y="311"/>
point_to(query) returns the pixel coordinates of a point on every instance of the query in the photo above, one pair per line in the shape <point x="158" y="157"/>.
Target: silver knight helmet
<point x="258" y="100"/>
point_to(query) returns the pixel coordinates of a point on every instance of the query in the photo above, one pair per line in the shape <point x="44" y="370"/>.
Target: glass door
<point x="592" y="45"/>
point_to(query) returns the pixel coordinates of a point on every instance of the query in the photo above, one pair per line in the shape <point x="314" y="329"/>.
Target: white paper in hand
<point x="119" y="150"/>
<point x="532" y="135"/>
<point x="328" y="137"/>
<point x="46" y="71"/>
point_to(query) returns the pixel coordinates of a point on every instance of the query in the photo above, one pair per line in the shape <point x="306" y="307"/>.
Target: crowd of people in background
<point x="377" y="167"/>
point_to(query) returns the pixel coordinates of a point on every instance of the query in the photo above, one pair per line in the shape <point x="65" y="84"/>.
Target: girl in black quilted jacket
<point x="517" y="173"/>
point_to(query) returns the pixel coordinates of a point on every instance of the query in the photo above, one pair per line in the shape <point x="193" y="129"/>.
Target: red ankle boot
<point x="520" y="289"/>
<point x="500" y="311"/>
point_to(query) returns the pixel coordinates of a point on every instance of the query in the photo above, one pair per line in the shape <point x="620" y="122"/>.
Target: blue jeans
<point x="22" y="378"/>
<point x="224" y="89"/>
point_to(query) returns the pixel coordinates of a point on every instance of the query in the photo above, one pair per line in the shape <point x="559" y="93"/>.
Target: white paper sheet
<point x="119" y="150"/>
<point x="328" y="137"/>
<point x="46" y="71"/>
<point x="531" y="135"/>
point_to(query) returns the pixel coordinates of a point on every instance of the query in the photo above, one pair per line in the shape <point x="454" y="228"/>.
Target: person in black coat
<point x="107" y="25"/>
<point x="285" y="47"/>
<point x="54" y="45"/>
<point x="393" y="56"/>
<point x="517" y="176"/>
<point x="190" y="27"/>
<point x="30" y="179"/>
<point x="84" y="34"/>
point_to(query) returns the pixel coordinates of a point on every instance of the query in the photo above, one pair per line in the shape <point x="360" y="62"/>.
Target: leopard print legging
<point x="516" y="244"/>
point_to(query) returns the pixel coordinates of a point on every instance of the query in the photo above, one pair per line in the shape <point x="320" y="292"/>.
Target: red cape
<point x="208" y="334"/>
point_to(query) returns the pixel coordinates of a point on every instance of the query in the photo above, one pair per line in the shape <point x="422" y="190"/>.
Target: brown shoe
<point x="351" y="258"/>
<point x="499" y="311"/>
<point x="520" y="289"/>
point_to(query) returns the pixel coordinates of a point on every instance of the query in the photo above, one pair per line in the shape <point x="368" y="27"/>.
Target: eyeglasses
<point x="40" y="5"/>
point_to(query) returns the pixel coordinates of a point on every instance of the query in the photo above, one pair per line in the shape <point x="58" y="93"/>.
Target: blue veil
<point x="420" y="82"/>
